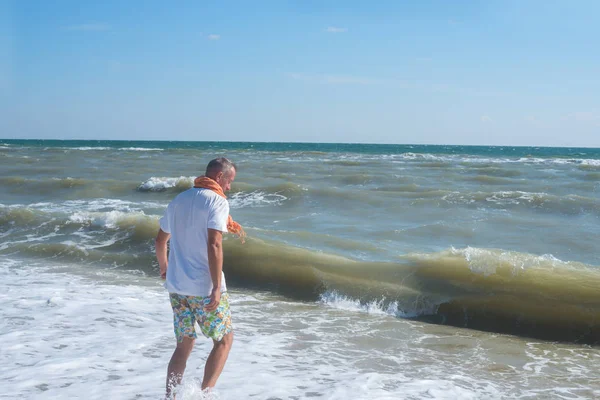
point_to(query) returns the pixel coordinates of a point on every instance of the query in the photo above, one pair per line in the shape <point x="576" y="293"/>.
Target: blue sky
<point x="518" y="72"/>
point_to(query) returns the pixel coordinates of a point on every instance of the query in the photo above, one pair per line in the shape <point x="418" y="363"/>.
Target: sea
<point x="369" y="271"/>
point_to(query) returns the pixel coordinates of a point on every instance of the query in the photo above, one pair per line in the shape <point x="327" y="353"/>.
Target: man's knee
<point x="185" y="347"/>
<point x="226" y="341"/>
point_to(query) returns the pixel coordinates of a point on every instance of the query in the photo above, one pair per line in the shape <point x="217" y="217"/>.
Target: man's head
<point x="222" y="171"/>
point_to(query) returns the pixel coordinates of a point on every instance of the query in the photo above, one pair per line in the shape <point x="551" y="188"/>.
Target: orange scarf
<point x="204" y="182"/>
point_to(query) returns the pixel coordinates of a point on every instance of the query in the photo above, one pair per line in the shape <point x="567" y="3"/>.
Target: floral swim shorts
<point x="189" y="309"/>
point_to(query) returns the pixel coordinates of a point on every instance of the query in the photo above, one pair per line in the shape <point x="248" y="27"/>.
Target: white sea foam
<point x="139" y="149"/>
<point x="110" y="219"/>
<point x="595" y="163"/>
<point x="377" y="307"/>
<point x="66" y="336"/>
<point x="256" y="198"/>
<point x="86" y="148"/>
<point x="159" y="184"/>
<point x="99" y="148"/>
<point x="486" y="261"/>
<point x="492" y="160"/>
<point x="93" y="205"/>
<point x="501" y="197"/>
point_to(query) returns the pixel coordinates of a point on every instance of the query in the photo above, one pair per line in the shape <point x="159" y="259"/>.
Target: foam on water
<point x="377" y="307"/>
<point x="256" y="198"/>
<point x="66" y="336"/>
<point x="110" y="219"/>
<point x="83" y="148"/>
<point x="92" y="205"/>
<point x="159" y="184"/>
<point x="595" y="163"/>
<point x="101" y="148"/>
<point x="139" y="149"/>
<point x="486" y="261"/>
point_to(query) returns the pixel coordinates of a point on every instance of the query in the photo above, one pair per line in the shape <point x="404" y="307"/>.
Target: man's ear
<point x="219" y="176"/>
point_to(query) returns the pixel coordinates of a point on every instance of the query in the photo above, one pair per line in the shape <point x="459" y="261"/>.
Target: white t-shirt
<point x="188" y="218"/>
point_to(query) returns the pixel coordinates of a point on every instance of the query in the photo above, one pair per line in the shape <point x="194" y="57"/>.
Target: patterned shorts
<point x="189" y="309"/>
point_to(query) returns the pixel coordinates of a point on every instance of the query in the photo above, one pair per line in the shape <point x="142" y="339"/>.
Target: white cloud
<point x="486" y="119"/>
<point x="396" y="83"/>
<point x="214" y="36"/>
<point x="585" y="116"/>
<point x="96" y="27"/>
<point x="333" y="29"/>
<point x="590" y="118"/>
<point x="532" y="119"/>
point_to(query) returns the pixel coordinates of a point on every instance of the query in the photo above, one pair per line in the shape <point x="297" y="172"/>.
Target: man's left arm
<point x="161" y="251"/>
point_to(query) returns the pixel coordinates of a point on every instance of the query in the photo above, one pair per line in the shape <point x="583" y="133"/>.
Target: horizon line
<point x="301" y="142"/>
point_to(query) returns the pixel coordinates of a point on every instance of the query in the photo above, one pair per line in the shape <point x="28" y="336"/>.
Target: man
<point x="194" y="222"/>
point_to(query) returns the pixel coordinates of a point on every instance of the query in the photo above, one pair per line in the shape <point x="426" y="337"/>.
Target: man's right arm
<point x="161" y="252"/>
<point x="215" y="264"/>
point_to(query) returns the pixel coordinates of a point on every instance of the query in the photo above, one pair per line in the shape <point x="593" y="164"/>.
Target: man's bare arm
<point x="215" y="263"/>
<point x="161" y="251"/>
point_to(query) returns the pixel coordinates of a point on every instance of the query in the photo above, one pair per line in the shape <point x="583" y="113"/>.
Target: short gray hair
<point x="220" y="164"/>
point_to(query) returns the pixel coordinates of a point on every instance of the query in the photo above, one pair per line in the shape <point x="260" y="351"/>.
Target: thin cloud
<point x="333" y="29"/>
<point x="214" y="36"/>
<point x="337" y="79"/>
<point x="585" y="117"/>
<point x="340" y="79"/>
<point x="486" y="119"/>
<point x="97" y="27"/>
<point x="531" y="118"/>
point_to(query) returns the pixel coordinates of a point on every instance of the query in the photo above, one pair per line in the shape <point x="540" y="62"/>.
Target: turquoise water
<point x="506" y="151"/>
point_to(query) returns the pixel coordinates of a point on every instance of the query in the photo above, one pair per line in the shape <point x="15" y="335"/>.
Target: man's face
<point x="226" y="179"/>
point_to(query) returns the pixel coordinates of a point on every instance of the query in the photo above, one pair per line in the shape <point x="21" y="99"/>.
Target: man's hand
<point x="161" y="252"/>
<point x="215" y="299"/>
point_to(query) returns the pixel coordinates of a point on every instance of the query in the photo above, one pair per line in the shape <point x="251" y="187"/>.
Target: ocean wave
<point x="18" y="216"/>
<point x="490" y="180"/>
<point x="468" y="160"/>
<point x="493" y="261"/>
<point x="12" y="182"/>
<point x="161" y="184"/>
<point x="489" y="289"/>
<point x="486" y="289"/>
<point x="103" y="148"/>
<point x="378" y="307"/>
<point x="117" y="220"/>
<point x="95" y="205"/>
<point x="242" y="194"/>
<point x="139" y="149"/>
<point x="256" y="198"/>
<point x="494" y="170"/>
<point x="75" y="211"/>
<point x="569" y="204"/>
<point x="84" y="148"/>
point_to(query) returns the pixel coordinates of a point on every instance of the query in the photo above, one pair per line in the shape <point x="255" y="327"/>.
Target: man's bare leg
<point x="216" y="361"/>
<point x="178" y="363"/>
